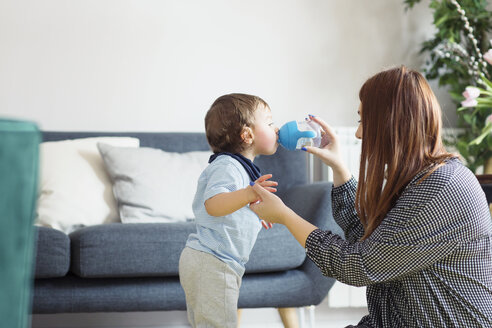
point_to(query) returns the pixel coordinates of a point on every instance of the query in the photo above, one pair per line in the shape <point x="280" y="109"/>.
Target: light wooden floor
<point x="325" y="317"/>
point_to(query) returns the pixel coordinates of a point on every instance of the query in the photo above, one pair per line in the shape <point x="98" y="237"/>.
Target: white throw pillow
<point x="152" y="185"/>
<point x="75" y="189"/>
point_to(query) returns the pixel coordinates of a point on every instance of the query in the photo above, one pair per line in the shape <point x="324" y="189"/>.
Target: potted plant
<point x="461" y="58"/>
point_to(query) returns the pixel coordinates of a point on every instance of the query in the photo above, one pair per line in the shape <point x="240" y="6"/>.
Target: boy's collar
<point x="252" y="169"/>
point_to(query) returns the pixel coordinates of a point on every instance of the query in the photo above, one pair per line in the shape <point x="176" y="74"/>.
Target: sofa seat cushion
<point x="153" y="249"/>
<point x="275" y="250"/>
<point x="52" y="253"/>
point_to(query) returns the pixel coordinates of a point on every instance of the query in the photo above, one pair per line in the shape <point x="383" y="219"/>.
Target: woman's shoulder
<point x="451" y="177"/>
<point x="450" y="171"/>
<point x="449" y="199"/>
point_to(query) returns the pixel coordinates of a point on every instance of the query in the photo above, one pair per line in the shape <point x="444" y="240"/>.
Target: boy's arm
<point x="229" y="202"/>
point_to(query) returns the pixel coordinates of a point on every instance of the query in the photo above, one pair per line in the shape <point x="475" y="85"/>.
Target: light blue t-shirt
<point x="231" y="237"/>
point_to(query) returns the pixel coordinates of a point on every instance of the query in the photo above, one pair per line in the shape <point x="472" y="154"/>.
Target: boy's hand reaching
<point x="265" y="183"/>
<point x="268" y="185"/>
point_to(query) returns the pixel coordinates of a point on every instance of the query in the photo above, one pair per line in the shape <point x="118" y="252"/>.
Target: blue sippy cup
<point x="297" y="134"/>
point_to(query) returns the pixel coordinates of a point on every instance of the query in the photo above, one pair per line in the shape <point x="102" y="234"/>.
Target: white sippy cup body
<point x="297" y="134"/>
<point x="309" y="126"/>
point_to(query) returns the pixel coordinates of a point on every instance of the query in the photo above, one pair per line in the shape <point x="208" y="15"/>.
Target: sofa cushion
<point x="52" y="253"/>
<point x="149" y="184"/>
<point x="275" y="250"/>
<point x="153" y="249"/>
<point x="75" y="189"/>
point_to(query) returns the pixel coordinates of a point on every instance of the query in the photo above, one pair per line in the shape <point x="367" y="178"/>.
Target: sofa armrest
<point x="313" y="203"/>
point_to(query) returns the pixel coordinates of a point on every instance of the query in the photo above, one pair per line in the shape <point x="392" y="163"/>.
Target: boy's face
<point x="265" y="132"/>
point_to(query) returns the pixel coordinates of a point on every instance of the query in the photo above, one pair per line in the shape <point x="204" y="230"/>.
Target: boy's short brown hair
<point x="227" y="117"/>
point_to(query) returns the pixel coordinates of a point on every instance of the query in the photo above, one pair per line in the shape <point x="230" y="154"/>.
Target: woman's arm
<point x="272" y="209"/>
<point x="297" y="226"/>
<point x="344" y="213"/>
<point x="404" y="243"/>
<point x="372" y="261"/>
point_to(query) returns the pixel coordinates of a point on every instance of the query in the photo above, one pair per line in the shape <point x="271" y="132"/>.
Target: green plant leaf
<point x="441" y="20"/>
<point x="456" y="96"/>
<point x="462" y="147"/>
<point x="485" y="132"/>
<point x="488" y="83"/>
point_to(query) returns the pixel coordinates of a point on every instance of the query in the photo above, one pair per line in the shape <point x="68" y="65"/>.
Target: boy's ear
<point x="247" y="135"/>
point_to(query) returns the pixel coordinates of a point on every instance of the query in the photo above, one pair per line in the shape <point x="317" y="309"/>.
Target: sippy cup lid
<point x="289" y="134"/>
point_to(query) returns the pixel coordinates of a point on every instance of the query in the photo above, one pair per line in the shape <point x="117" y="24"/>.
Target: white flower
<point x="469" y="103"/>
<point x="488" y="120"/>
<point x="488" y="56"/>
<point x="471" y="93"/>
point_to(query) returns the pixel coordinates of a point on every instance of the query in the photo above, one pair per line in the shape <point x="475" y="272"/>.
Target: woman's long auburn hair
<point x="401" y="136"/>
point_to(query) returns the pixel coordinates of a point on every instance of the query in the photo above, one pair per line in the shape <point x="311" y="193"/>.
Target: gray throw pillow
<point x="151" y="185"/>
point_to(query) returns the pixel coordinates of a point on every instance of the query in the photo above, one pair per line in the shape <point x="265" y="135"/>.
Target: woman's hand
<point x="268" y="185"/>
<point x="270" y="207"/>
<point x="264" y="182"/>
<point x="329" y="152"/>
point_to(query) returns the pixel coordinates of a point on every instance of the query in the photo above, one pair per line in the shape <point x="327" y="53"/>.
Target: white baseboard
<point x="345" y="296"/>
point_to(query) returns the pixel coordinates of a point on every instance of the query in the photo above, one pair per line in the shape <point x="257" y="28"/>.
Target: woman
<point x="417" y="227"/>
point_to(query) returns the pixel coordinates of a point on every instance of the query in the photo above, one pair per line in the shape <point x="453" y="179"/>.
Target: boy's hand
<point x="262" y="181"/>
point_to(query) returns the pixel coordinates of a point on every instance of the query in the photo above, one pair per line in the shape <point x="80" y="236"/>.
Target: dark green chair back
<point x="19" y="161"/>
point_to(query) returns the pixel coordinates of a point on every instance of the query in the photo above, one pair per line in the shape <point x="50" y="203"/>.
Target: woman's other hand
<point x="264" y="182"/>
<point x="270" y="207"/>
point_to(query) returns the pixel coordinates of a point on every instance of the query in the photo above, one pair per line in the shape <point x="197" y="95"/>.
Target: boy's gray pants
<point x="211" y="288"/>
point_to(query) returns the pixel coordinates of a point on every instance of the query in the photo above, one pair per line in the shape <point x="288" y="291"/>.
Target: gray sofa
<point x="134" y="267"/>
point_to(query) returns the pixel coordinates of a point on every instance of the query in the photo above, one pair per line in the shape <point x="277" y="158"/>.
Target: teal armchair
<point x="19" y="160"/>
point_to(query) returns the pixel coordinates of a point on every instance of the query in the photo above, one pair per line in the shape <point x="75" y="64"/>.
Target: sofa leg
<point x="289" y="317"/>
<point x="239" y="313"/>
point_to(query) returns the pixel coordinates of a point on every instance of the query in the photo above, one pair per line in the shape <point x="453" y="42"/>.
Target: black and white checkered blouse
<point x="428" y="264"/>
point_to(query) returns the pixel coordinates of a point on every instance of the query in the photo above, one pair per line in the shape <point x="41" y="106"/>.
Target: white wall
<point x="154" y="65"/>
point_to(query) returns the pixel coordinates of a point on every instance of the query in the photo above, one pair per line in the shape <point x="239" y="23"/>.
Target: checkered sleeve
<point x="399" y="246"/>
<point x="344" y="213"/>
